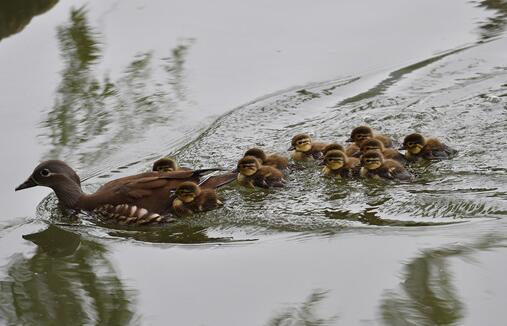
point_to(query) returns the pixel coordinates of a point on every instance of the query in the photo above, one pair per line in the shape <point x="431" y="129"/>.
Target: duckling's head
<point x="372" y="160"/>
<point x="50" y="174"/>
<point x="372" y="145"/>
<point x="335" y="159"/>
<point x="414" y="143"/>
<point x="187" y="191"/>
<point x="165" y="164"/>
<point x="332" y="147"/>
<point x="359" y="134"/>
<point x="248" y="165"/>
<point x="301" y="143"/>
<point x="256" y="152"/>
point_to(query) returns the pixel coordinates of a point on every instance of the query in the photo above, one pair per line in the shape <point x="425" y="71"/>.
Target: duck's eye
<point x="45" y="172"/>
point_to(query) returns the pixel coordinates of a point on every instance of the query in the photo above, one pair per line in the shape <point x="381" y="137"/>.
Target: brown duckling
<point x="373" y="165"/>
<point x="418" y="147"/>
<point x="333" y="147"/>
<point x="277" y="161"/>
<point x="377" y="146"/>
<point x="304" y="148"/>
<point x="139" y="199"/>
<point x="361" y="133"/>
<point x="339" y="165"/>
<point x="167" y="164"/>
<point x="190" y="198"/>
<point x="252" y="173"/>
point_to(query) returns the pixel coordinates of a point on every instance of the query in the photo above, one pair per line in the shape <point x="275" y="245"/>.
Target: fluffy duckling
<point x="190" y="198"/>
<point x="418" y="147"/>
<point x="333" y="147"/>
<point x="377" y="146"/>
<point x="167" y="164"/>
<point x="361" y="133"/>
<point x="373" y="165"/>
<point x="304" y="148"/>
<point x="337" y="164"/>
<point x="277" y="161"/>
<point x="252" y="173"/>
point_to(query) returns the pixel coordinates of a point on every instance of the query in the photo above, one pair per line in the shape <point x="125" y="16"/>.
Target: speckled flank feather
<point x="126" y="214"/>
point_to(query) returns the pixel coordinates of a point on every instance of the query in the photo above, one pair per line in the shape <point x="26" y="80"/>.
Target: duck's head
<point x="165" y="164"/>
<point x="248" y="165"/>
<point x="359" y="134"/>
<point x="187" y="191"/>
<point x="256" y="152"/>
<point x="372" y="160"/>
<point x="333" y="147"/>
<point x="52" y="173"/>
<point x="372" y="145"/>
<point x="301" y="143"/>
<point x="414" y="143"/>
<point x="335" y="159"/>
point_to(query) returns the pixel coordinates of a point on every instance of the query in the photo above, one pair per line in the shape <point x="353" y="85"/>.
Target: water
<point x="114" y="93"/>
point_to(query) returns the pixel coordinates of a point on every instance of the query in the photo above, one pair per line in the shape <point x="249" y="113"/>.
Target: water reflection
<point x="68" y="281"/>
<point x="16" y="15"/>
<point x="427" y="295"/>
<point x="495" y="25"/>
<point x="92" y="116"/>
<point x="305" y="314"/>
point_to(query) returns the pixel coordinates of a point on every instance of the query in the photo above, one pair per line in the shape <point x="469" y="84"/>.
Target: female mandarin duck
<point x="142" y="199"/>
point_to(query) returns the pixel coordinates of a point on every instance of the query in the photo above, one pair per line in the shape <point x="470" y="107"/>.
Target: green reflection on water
<point x="427" y="295"/>
<point x="68" y="281"/>
<point x="92" y="116"/>
<point x="305" y="314"/>
<point x="16" y="15"/>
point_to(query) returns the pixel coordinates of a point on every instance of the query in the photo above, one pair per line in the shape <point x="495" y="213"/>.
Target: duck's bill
<point x="291" y="148"/>
<point x="27" y="184"/>
<point x="350" y="140"/>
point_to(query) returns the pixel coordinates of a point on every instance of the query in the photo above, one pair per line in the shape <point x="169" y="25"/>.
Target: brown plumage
<point x="338" y="164"/>
<point x="277" y="161"/>
<point x="304" y="148"/>
<point x="420" y="148"/>
<point x="361" y="133"/>
<point x="138" y="197"/>
<point x="167" y="164"/>
<point x="190" y="198"/>
<point x="376" y="145"/>
<point x="373" y="165"/>
<point x="333" y="147"/>
<point x="253" y="174"/>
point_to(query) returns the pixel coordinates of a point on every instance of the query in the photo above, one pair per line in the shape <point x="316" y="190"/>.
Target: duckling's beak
<point x="402" y="147"/>
<point x="291" y="148"/>
<point x="350" y="140"/>
<point x="29" y="183"/>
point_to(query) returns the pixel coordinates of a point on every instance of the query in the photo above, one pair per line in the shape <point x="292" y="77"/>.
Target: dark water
<point x="320" y="252"/>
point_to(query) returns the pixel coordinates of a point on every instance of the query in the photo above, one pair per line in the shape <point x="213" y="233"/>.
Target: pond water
<point x="110" y="86"/>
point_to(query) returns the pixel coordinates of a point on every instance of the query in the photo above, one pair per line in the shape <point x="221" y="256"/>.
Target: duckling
<point x="274" y="160"/>
<point x="252" y="173"/>
<point x="190" y="198"/>
<point x="418" y="147"/>
<point x="377" y="146"/>
<point x="361" y="133"/>
<point x="304" y="148"/>
<point x="373" y="165"/>
<point x="339" y="165"/>
<point x="333" y="147"/>
<point x="167" y="164"/>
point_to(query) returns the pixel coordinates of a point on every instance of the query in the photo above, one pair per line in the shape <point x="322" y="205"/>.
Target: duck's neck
<point x="68" y="192"/>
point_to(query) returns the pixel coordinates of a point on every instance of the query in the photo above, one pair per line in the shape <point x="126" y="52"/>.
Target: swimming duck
<point x="373" y="165"/>
<point x="361" y="133"/>
<point x="252" y="174"/>
<point x="138" y="199"/>
<point x="339" y="165"/>
<point x="304" y="148"/>
<point x="418" y="147"/>
<point x="274" y="160"/>
<point x="167" y="164"/>
<point x="377" y="146"/>
<point x="190" y="198"/>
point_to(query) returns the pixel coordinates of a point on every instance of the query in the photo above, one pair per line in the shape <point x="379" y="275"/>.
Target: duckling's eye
<point x="45" y="172"/>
